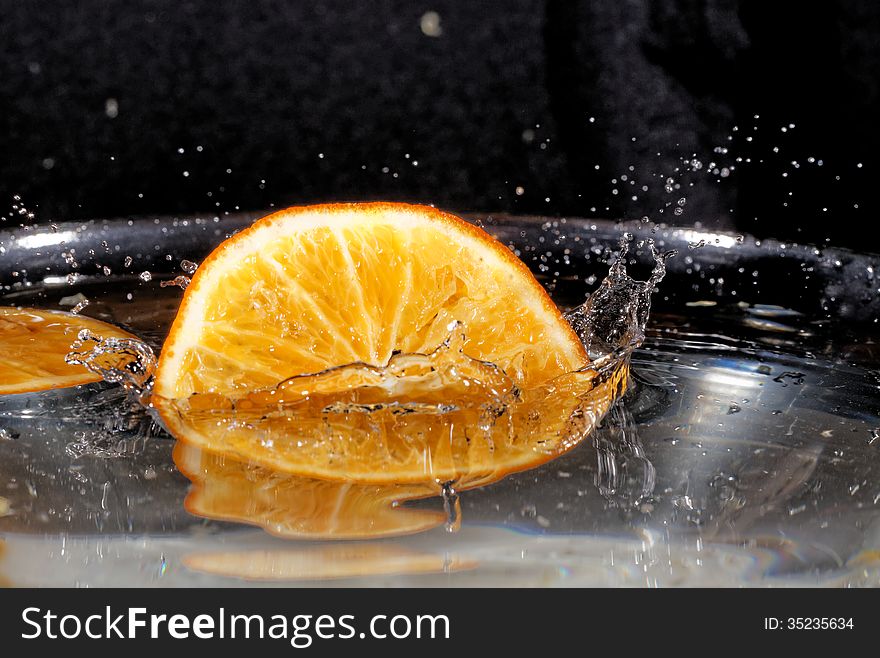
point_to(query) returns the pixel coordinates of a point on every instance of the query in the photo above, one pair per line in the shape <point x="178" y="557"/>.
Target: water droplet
<point x="452" y="507"/>
<point x="105" y="496"/>
<point x="125" y="361"/>
<point x="181" y="282"/>
<point x="429" y="23"/>
<point x="796" y="378"/>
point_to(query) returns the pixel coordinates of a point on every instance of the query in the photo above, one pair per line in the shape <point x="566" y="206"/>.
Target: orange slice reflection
<point x="291" y="506"/>
<point x="325" y="562"/>
<point x="3" y="581"/>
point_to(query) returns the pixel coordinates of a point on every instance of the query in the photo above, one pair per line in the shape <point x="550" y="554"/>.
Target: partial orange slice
<point x="454" y="351"/>
<point x="33" y="344"/>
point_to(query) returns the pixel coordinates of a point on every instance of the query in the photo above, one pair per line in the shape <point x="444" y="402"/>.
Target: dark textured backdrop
<point x="161" y="106"/>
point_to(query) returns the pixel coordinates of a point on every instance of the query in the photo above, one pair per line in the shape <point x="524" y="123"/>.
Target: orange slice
<point x="33" y="344"/>
<point x="309" y="289"/>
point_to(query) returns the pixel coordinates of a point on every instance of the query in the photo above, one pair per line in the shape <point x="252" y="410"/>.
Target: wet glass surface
<point x="745" y="451"/>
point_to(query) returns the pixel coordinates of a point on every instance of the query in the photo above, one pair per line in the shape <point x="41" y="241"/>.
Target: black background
<point x="295" y="102"/>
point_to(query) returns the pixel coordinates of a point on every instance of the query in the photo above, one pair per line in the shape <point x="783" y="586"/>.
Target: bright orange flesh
<point x="307" y="289"/>
<point x="33" y="344"/>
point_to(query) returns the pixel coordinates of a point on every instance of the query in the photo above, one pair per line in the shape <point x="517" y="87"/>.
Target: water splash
<point x="409" y="383"/>
<point x="451" y="507"/>
<point x="189" y="266"/>
<point x="125" y="361"/>
<point x="181" y="282"/>
<point x="611" y="323"/>
<point x="625" y="477"/>
<point x="80" y="306"/>
<point x="125" y="435"/>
